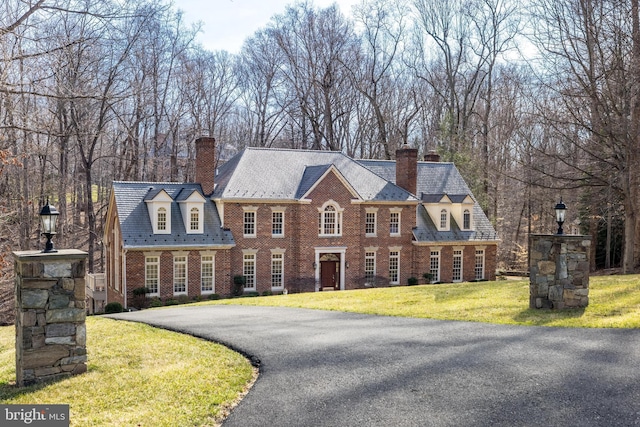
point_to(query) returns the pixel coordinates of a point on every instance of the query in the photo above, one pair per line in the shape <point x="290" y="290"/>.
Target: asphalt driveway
<point x="321" y="368"/>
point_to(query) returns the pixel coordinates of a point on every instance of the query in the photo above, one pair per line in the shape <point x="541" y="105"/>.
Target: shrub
<point x="411" y="281"/>
<point x="213" y="296"/>
<point x="113" y="307"/>
<point x="156" y="302"/>
<point x="428" y="277"/>
<point x="171" y="302"/>
<point x="141" y="291"/>
<point x="238" y="285"/>
<point x="267" y="293"/>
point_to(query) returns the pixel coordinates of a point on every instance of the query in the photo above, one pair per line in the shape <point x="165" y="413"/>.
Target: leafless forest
<point x="533" y="100"/>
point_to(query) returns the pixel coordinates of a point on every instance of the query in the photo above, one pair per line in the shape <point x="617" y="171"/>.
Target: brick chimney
<point x="407" y="168"/>
<point x="432" y="156"/>
<point x="206" y="163"/>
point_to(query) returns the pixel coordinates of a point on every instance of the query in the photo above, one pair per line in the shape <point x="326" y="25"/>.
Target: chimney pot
<point x="432" y="156"/>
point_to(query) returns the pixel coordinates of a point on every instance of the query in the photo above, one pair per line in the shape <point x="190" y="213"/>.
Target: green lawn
<point x="141" y="376"/>
<point x="138" y="376"/>
<point x="614" y="302"/>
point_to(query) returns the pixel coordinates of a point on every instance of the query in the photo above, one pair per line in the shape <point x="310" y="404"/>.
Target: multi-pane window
<point x="329" y="221"/>
<point x="152" y="274"/>
<point x="249" y="229"/>
<point x="369" y="265"/>
<point x="179" y="274"/>
<point x="249" y="271"/>
<point x="277" y="270"/>
<point x="466" y="219"/>
<point x="394" y="223"/>
<point x="444" y="216"/>
<point x="194" y="222"/>
<point x="277" y="224"/>
<point x="370" y="224"/>
<point x="457" y="265"/>
<point x="434" y="265"/>
<point x="207" y="277"/>
<point x="479" y="268"/>
<point x="394" y="267"/>
<point x="162" y="219"/>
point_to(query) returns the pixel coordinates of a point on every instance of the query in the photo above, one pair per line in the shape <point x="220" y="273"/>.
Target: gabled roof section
<point x="136" y="227"/>
<point x="157" y="195"/>
<point x="281" y="174"/>
<point x="435" y="181"/>
<point x="310" y="180"/>
<point x="190" y="195"/>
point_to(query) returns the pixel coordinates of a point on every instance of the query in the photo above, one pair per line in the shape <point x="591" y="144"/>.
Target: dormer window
<point x="192" y="209"/>
<point x="161" y="219"/>
<point x="444" y="220"/>
<point x="159" y="208"/>
<point x="194" y="220"/>
<point x="466" y="219"/>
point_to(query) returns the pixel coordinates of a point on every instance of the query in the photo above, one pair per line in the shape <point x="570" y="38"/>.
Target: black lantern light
<point x="49" y="218"/>
<point x="561" y="209"/>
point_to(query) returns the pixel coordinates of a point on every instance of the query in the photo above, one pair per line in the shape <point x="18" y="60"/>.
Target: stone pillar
<point x="559" y="271"/>
<point x="50" y="315"/>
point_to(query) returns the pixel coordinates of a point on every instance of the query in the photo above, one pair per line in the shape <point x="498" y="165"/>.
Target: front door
<point x="330" y="272"/>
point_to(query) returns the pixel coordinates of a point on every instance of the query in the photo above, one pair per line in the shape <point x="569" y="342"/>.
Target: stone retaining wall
<point x="559" y="271"/>
<point x="50" y="315"/>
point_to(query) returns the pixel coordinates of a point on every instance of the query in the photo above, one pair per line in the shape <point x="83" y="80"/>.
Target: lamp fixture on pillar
<point x="315" y="265"/>
<point x="49" y="218"/>
<point x="561" y="209"/>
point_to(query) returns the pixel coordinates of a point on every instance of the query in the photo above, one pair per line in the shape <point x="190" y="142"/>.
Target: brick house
<point x="295" y="220"/>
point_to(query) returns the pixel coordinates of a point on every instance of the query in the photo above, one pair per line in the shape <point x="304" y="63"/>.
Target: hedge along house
<point x="296" y="220"/>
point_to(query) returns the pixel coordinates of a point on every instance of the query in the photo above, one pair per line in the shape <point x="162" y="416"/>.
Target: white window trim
<point x="253" y="253"/>
<point x="184" y="255"/>
<point x="373" y="211"/>
<point x="275" y="210"/>
<point x="470" y="219"/>
<point x="213" y="272"/>
<point x="461" y="249"/>
<point x="484" y="261"/>
<point x="157" y="263"/>
<point x="281" y="252"/>
<point x="254" y="210"/>
<point x="438" y="256"/>
<point x="397" y="249"/>
<point x="375" y="256"/>
<point x="447" y="221"/>
<point x="399" y="212"/>
<point x="338" y="223"/>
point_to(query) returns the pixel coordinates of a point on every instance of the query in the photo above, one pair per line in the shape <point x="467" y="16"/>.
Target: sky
<point x="227" y="23"/>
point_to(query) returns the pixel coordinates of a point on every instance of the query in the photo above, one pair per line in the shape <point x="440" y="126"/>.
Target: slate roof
<point x="434" y="180"/>
<point x="137" y="231"/>
<point x="259" y="173"/>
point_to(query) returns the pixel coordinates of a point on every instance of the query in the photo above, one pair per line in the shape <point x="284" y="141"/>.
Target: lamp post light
<point x="561" y="209"/>
<point x="49" y="218"/>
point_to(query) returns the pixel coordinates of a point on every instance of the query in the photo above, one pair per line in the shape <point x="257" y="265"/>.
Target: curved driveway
<point x="321" y="368"/>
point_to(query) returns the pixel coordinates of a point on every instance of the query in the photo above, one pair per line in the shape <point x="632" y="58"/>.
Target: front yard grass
<point x="137" y="376"/>
<point x="614" y="302"/>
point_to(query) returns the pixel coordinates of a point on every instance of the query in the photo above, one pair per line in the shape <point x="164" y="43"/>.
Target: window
<point x="369" y="265"/>
<point x="394" y="267"/>
<point x="394" y="223"/>
<point x="207" y="277"/>
<point x="370" y="224"/>
<point x="479" y="268"/>
<point x="277" y="224"/>
<point x="179" y="274"/>
<point x="444" y="219"/>
<point x="194" y="219"/>
<point x="457" y="265"/>
<point x="434" y="265"/>
<point x="249" y="224"/>
<point x="162" y="219"/>
<point x="277" y="270"/>
<point x="330" y="221"/>
<point x="152" y="274"/>
<point x="466" y="219"/>
<point x="249" y="271"/>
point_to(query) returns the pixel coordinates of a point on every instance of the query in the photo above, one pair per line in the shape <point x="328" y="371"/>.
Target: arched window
<point x="330" y="221"/>
<point x="195" y="219"/>
<point x="162" y="219"/>
<point x="444" y="219"/>
<point x="466" y="219"/>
